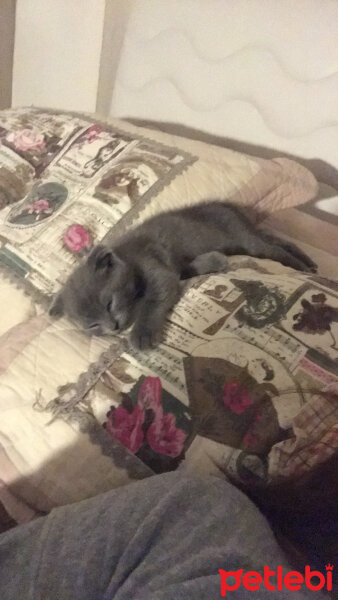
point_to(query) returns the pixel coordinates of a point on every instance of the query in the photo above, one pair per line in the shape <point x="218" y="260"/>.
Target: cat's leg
<point x="291" y="249"/>
<point x="162" y="293"/>
<point x="242" y="237"/>
<point x="211" y="262"/>
<point x="255" y="245"/>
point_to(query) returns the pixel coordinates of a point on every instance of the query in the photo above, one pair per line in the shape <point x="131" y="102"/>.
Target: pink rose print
<point x="77" y="238"/>
<point x="150" y="394"/>
<point x="127" y="427"/>
<point x="164" y="437"/>
<point x="250" y="439"/>
<point x="236" y="397"/>
<point x="27" y="139"/>
<point x="93" y="133"/>
<point x="39" y="206"/>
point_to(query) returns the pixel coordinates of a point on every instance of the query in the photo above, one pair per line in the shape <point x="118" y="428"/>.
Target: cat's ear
<point x="102" y="259"/>
<point x="56" y="308"/>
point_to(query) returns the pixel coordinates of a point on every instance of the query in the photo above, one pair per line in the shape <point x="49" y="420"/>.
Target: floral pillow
<point x="91" y="414"/>
<point x="144" y="424"/>
<point x="67" y="181"/>
<point x="64" y="182"/>
<point x="245" y="381"/>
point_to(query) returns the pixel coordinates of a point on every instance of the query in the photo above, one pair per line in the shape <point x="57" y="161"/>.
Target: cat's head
<point x="101" y="295"/>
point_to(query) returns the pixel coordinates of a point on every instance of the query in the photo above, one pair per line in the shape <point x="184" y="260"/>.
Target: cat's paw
<point x="313" y="268"/>
<point x="145" y="338"/>
<point x="211" y="262"/>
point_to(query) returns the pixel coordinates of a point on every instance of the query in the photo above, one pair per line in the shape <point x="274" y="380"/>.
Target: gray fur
<point x="136" y="281"/>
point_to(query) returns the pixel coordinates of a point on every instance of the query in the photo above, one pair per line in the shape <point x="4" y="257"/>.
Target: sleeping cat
<point x="136" y="281"/>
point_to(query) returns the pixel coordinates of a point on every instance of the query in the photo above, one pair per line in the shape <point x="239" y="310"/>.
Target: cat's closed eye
<point x="94" y="329"/>
<point x="93" y="326"/>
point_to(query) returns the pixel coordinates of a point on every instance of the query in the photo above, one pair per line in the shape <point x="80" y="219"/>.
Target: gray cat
<point x="137" y="280"/>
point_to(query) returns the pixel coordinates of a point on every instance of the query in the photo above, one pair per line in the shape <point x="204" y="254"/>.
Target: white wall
<point x="57" y="53"/>
<point x="259" y="72"/>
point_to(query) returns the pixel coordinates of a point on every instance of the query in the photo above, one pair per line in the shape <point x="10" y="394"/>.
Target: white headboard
<point x="262" y="73"/>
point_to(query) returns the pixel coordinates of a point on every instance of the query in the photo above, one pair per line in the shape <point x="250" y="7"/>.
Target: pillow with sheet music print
<point x="67" y="181"/>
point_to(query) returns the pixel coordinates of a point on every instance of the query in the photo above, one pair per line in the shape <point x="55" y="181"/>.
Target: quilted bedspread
<point x="245" y="381"/>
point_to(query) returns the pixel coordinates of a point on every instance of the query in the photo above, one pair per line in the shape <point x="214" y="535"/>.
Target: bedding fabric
<point x="246" y="379"/>
<point x="313" y="230"/>
<point x="114" y="546"/>
<point x="245" y="382"/>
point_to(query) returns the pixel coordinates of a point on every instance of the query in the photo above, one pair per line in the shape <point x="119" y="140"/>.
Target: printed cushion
<point x="245" y="383"/>
<point x="66" y="181"/>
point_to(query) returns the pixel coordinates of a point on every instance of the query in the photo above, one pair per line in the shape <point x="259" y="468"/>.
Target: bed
<point x="201" y="99"/>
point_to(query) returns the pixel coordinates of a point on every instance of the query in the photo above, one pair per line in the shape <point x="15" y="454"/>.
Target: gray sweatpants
<point x="162" y="538"/>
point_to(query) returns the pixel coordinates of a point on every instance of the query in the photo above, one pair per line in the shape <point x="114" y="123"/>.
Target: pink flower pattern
<point x="127" y="427"/>
<point x="133" y="429"/>
<point x="250" y="439"/>
<point x="27" y="139"/>
<point x="77" y="238"/>
<point x="150" y="394"/>
<point x="93" y="133"/>
<point x="236" y="397"/>
<point x="39" y="206"/>
<point x="164" y="437"/>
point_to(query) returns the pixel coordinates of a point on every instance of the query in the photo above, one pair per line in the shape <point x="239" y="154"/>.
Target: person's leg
<point x="163" y="538"/>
